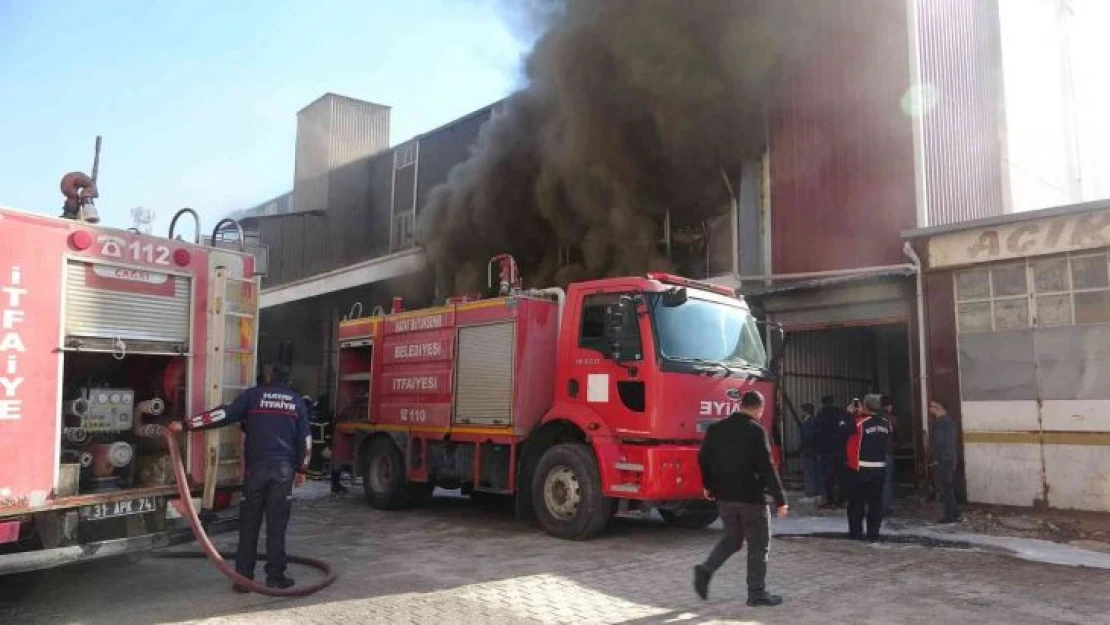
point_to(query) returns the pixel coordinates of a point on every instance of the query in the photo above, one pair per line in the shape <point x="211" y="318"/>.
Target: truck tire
<point x="384" y="483"/>
<point x="696" y="519"/>
<point x="567" y="495"/>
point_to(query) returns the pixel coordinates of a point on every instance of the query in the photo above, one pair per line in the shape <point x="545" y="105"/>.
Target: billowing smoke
<point x="634" y="109"/>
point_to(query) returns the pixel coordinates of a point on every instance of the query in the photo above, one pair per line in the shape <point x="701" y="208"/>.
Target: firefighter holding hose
<point x="277" y="449"/>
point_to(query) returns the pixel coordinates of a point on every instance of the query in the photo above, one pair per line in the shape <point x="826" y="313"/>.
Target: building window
<point x="1043" y="292"/>
<point x="404" y="156"/>
<point x="404" y="230"/>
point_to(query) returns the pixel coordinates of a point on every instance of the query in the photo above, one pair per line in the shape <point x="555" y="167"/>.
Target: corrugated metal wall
<point x="840" y="362"/>
<point x="357" y="200"/>
<point x="841" y="149"/>
<point x="443" y="148"/>
<point x="331" y="132"/>
<point x="310" y="191"/>
<point x="961" y="66"/>
<point x="358" y="129"/>
<point x="358" y="209"/>
<point x="750" y="222"/>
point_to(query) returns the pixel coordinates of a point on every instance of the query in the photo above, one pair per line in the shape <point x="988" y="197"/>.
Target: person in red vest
<point x="868" y="440"/>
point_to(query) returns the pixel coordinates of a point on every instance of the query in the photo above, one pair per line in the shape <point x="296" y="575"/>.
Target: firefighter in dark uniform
<point x="277" y="449"/>
<point x="868" y="438"/>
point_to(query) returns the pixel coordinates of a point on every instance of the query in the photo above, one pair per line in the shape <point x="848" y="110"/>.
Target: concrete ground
<point x="459" y="563"/>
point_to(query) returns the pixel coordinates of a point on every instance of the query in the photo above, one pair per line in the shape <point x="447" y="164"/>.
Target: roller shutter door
<point x="484" y="387"/>
<point x="146" y="306"/>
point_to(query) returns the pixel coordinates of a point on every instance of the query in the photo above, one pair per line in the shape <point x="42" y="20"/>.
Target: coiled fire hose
<point x="220" y="559"/>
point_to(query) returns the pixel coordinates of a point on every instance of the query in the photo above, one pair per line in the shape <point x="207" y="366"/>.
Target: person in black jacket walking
<point x="943" y="439"/>
<point x="737" y="472"/>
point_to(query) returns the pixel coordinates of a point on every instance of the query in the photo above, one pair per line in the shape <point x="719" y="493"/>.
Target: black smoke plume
<point x="633" y="108"/>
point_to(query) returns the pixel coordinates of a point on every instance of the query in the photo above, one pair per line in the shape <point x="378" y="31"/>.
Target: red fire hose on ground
<point x="220" y="559"/>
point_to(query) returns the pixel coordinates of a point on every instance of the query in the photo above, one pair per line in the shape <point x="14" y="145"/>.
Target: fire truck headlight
<point x="182" y="258"/>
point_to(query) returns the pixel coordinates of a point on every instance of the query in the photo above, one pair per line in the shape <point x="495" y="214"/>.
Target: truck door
<point x="614" y="389"/>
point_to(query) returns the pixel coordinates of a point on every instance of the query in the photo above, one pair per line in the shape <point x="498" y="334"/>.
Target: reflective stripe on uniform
<point x="872" y="465"/>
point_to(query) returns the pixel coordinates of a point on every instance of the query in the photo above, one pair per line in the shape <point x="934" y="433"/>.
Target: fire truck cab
<point x="580" y="405"/>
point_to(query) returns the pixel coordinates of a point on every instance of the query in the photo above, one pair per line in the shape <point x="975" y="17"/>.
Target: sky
<point x="1037" y="116"/>
<point x="196" y="101"/>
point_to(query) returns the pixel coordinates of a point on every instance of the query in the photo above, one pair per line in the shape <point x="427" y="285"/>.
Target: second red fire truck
<point x="581" y="404"/>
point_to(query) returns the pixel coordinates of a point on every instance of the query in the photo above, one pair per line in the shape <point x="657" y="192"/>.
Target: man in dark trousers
<point x="829" y="426"/>
<point x="277" y="449"/>
<point x="737" y="472"/>
<point x="811" y="467"/>
<point x="892" y="448"/>
<point x="943" y="438"/>
<point x="866" y="454"/>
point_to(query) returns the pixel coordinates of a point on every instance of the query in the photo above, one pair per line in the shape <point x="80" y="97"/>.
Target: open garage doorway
<point x="848" y="362"/>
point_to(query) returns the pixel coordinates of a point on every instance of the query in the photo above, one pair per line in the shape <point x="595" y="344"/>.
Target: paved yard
<point x="459" y="563"/>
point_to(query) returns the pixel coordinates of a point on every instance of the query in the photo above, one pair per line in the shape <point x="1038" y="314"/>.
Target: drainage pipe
<point x="922" y="374"/>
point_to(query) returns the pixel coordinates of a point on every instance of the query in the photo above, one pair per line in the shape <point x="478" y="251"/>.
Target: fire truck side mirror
<point x="674" y="297"/>
<point x="776" y="343"/>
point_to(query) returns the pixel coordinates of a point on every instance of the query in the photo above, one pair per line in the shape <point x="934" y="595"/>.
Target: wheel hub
<point x="562" y="493"/>
<point x="380" y="474"/>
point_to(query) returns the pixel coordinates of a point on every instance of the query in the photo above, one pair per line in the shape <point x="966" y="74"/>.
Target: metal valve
<point x="153" y="407"/>
<point x="150" y="431"/>
<point x="75" y="435"/>
<point x="120" y="454"/>
<point x="77" y="407"/>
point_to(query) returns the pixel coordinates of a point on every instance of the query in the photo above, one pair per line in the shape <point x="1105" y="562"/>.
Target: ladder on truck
<point x="233" y="322"/>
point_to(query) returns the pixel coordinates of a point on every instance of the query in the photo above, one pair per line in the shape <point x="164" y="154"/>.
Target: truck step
<point x="630" y="466"/>
<point x="626" y="488"/>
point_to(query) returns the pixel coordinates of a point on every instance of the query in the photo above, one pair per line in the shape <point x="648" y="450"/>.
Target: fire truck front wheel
<point x="384" y="483"/>
<point x="567" y="495"/>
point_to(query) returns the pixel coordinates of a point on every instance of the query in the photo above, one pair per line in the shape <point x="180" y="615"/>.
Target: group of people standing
<point x="825" y="453"/>
<point x="848" y="450"/>
<point x="827" y="449"/>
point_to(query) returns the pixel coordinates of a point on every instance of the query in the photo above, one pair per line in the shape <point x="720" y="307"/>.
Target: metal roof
<point x="821" y="283"/>
<point x="1009" y="218"/>
<point x="339" y="96"/>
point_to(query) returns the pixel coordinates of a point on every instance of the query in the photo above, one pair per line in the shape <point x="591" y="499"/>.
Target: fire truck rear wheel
<point x="384" y="483"/>
<point x="567" y="495"/>
<point x="690" y="519"/>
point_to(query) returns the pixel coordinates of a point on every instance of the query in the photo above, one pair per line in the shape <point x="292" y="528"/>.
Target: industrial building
<point x="896" y="126"/>
<point x="342" y="239"/>
<point x="1018" y="321"/>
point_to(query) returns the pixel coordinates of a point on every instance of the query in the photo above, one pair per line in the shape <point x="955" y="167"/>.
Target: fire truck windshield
<point x="708" y="332"/>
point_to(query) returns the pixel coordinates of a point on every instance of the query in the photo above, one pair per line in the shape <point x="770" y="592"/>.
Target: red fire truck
<point x="104" y="335"/>
<point x="582" y="404"/>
